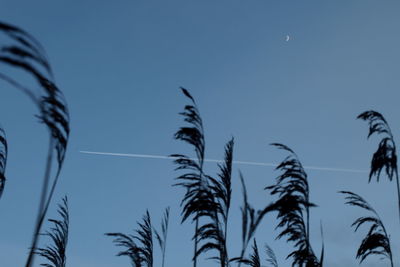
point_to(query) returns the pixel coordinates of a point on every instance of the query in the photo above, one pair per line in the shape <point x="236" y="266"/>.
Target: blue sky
<point x="120" y="66"/>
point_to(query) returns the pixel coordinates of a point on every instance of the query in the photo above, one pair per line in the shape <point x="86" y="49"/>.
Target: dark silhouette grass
<point x="24" y="53"/>
<point x="3" y="160"/>
<point x="138" y="247"/>
<point x="376" y="241"/>
<point x="55" y="253"/>
<point x="207" y="198"/>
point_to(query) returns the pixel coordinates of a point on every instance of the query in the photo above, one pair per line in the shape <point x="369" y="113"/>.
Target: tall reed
<point x="385" y="157"/>
<point x="293" y="207"/>
<point x="376" y="241"/>
<point x="213" y="234"/>
<point x="24" y="53"/>
<point x="193" y="180"/>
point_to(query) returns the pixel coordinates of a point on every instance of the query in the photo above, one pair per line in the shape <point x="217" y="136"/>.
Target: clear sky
<point x="120" y="65"/>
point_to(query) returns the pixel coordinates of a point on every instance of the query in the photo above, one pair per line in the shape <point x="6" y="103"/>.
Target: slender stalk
<point x="242" y="252"/>
<point x="42" y="204"/>
<point x="195" y="243"/>
<point x="226" y="261"/>
<point x="308" y="222"/>
<point x="398" y="191"/>
<point x="201" y="157"/>
<point x="163" y="252"/>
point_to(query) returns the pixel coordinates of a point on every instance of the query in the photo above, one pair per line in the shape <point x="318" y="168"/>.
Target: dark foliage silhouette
<point x="271" y="258"/>
<point x="293" y="208"/>
<point x="385" y="156"/>
<point x="377" y="241"/>
<point x="197" y="196"/>
<point x="3" y="160"/>
<point x="251" y="219"/>
<point x="55" y="253"/>
<point x="139" y="247"/>
<point x="254" y="259"/>
<point x="162" y="237"/>
<point x="25" y="53"/>
<point x="213" y="234"/>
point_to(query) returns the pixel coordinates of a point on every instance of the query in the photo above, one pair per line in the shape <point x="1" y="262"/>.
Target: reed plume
<point x="213" y="234"/>
<point x="25" y="53"/>
<point x="385" y="156"/>
<point x="55" y="254"/>
<point x="197" y="195"/>
<point x="139" y="247"/>
<point x="376" y="241"/>
<point x="293" y="206"/>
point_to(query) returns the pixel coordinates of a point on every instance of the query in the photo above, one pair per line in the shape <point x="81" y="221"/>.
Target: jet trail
<point x="219" y="161"/>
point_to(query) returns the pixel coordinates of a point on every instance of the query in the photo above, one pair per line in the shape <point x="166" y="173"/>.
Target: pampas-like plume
<point x="162" y="238"/>
<point x="213" y="234"/>
<point x="197" y="196"/>
<point x="292" y="206"/>
<point x="3" y="160"/>
<point x="377" y="241"/>
<point x="25" y="53"/>
<point x="385" y="156"/>
<point x="56" y="252"/>
<point x="139" y="247"/>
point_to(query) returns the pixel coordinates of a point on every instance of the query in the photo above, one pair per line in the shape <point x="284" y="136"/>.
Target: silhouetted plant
<point x="3" y="160"/>
<point x="254" y="259"/>
<point x="26" y="54"/>
<point x="162" y="238"/>
<point x="377" y="241"/>
<point x="213" y="234"/>
<point x="271" y="258"/>
<point x="385" y="156"/>
<point x="292" y="206"/>
<point x="197" y="194"/>
<point x="139" y="247"/>
<point x="56" y="252"/>
<point x="250" y="220"/>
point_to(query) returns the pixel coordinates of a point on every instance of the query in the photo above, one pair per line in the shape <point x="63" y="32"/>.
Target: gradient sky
<point x="120" y="65"/>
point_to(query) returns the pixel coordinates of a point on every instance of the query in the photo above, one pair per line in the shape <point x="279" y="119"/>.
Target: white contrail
<point x="219" y="161"/>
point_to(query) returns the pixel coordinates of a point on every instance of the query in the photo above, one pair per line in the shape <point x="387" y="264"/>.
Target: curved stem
<point x="42" y="205"/>
<point x="398" y="190"/>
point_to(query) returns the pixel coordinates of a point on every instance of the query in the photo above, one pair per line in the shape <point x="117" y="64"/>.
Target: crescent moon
<point x="287" y="38"/>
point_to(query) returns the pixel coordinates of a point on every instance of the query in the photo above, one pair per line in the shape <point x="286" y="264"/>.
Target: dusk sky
<point x="120" y="65"/>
